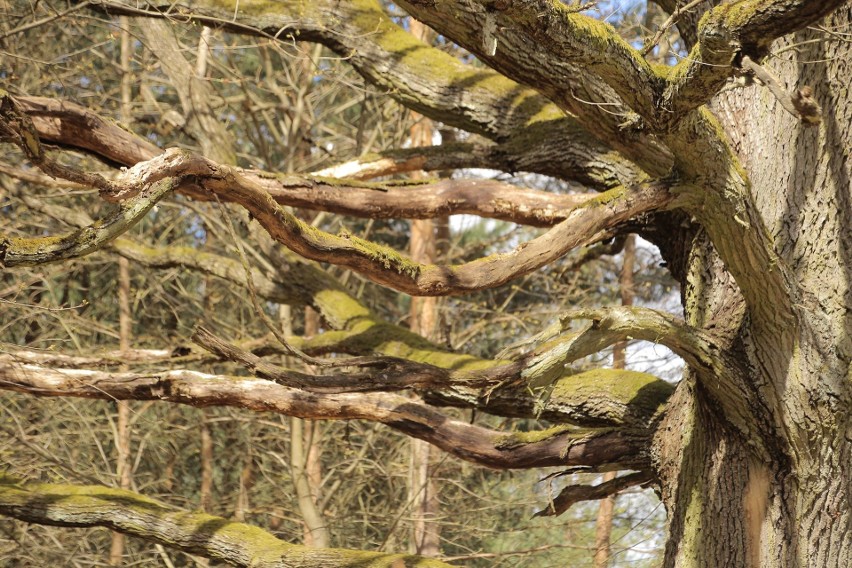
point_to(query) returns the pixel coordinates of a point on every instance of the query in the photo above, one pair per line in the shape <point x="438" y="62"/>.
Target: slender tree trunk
<point x="122" y="442"/>
<point x="423" y="319"/>
<point x="205" y="491"/>
<point x="780" y="493"/>
<point x="246" y="481"/>
<point x="603" y="526"/>
<point x="304" y="458"/>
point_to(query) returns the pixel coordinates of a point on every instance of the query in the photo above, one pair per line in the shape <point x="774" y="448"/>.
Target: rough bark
<point x="425" y="533"/>
<point x="599" y="448"/>
<point x="790" y="508"/>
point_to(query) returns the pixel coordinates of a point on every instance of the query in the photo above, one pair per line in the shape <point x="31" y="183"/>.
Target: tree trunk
<point x="122" y="438"/>
<point x="778" y="494"/>
<point x="422" y="489"/>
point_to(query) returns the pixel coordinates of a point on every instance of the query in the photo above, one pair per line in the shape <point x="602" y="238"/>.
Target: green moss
<point x="35" y="246"/>
<point x="339" y="308"/>
<point x="606" y="197"/>
<point x="516" y="439"/>
<point x="387" y="257"/>
<point x="627" y="387"/>
<point x="737" y="15"/>
<point x="613" y="396"/>
<point x="193" y="531"/>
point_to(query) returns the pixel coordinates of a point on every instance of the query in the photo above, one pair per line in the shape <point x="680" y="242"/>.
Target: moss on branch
<point x="214" y="537"/>
<point x="33" y="251"/>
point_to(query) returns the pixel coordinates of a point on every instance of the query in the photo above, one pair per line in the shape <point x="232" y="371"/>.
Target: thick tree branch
<point x="69" y="125"/>
<point x="238" y="544"/>
<point x="583" y="225"/>
<point x="358" y="332"/>
<point x="600" y="397"/>
<point x="585" y="42"/>
<point x="66" y="124"/>
<point x="608" y="326"/>
<point x="422" y="78"/>
<point x="388" y="374"/>
<point x="425" y="79"/>
<point x="420" y="200"/>
<point x="485" y="198"/>
<point x="721" y="374"/>
<point x="598" y="449"/>
<point x="620" y="78"/>
<point x="543" y="147"/>
<point x="717" y="192"/>
<point x="733" y="29"/>
<point x="104" y="359"/>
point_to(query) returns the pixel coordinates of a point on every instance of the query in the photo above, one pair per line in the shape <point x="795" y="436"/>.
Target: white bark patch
<point x="489" y="35"/>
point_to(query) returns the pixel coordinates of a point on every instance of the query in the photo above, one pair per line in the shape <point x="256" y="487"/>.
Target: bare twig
<point x="573" y="494"/>
<point x="800" y="104"/>
<point x="672" y="20"/>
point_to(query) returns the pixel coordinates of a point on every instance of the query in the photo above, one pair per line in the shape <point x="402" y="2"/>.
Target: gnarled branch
<point x="599" y="449"/>
<point x="423" y="78"/>
<point x="726" y="34"/>
<point x="583" y="225"/>
<point x="70" y="125"/>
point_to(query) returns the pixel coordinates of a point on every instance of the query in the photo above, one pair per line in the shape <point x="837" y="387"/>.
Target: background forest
<point x="280" y="107"/>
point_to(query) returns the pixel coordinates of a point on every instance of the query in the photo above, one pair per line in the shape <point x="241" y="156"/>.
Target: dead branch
<point x="601" y="450"/>
<point x="573" y="494"/>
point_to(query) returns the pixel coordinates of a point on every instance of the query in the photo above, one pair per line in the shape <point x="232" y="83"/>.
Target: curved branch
<point x="715" y="189"/>
<point x="573" y="494"/>
<point x="719" y="372"/>
<point x="482" y="197"/>
<point x="425" y="79"/>
<point x="620" y="398"/>
<point x="576" y="43"/>
<point x="733" y="29"/>
<point x="536" y="148"/>
<point x="18" y="251"/>
<point x="238" y="544"/>
<point x="389" y="373"/>
<point x="570" y="36"/>
<point x="608" y="326"/>
<point x="583" y="225"/>
<point x="67" y="124"/>
<point x="599" y="449"/>
<point x="545" y="147"/>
